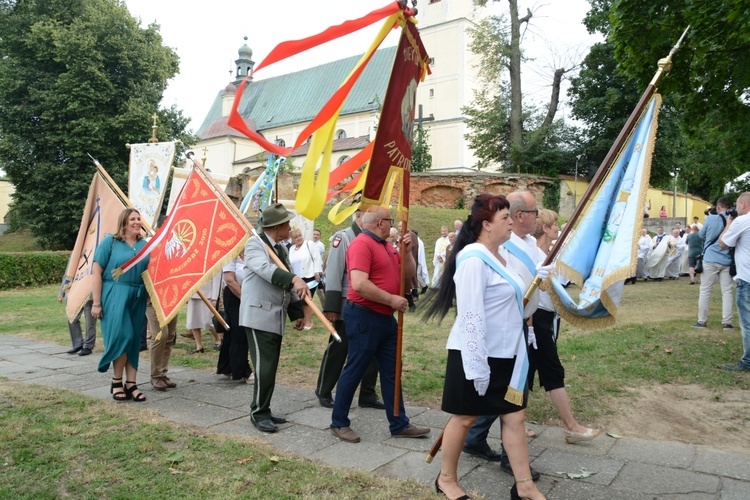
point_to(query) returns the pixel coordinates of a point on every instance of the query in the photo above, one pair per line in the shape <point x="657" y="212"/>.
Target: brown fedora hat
<point x="275" y="214"/>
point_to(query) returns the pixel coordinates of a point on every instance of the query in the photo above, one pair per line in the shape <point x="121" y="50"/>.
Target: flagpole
<point x="400" y="329"/>
<point x="436" y="445"/>
<point x="150" y="231"/>
<point x="664" y="65"/>
<point x="275" y="258"/>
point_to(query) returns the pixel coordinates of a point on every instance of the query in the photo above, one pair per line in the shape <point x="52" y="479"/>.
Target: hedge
<point x="32" y="268"/>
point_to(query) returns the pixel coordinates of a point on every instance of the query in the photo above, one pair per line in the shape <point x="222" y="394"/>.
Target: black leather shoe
<point x="376" y="403"/>
<point x="325" y="402"/>
<point x="483" y="451"/>
<point x="278" y="420"/>
<point x="265" y="425"/>
<point x="75" y="350"/>
<point x="85" y="352"/>
<point x="505" y="467"/>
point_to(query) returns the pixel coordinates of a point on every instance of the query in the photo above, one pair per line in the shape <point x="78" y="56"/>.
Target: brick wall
<point x="441" y="190"/>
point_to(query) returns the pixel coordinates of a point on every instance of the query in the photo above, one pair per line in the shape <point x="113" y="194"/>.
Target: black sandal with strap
<point x="138" y="398"/>
<point x="119" y="395"/>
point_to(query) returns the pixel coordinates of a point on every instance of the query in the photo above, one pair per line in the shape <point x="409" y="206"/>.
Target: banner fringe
<point x="116" y="273"/>
<point x="514" y="396"/>
<point x="579" y="321"/>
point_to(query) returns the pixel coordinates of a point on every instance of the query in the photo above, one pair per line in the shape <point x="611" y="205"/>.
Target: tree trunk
<point x="554" y="99"/>
<point x="514" y="69"/>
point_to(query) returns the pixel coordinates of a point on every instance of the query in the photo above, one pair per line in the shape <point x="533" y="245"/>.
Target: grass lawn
<point x="18" y="241"/>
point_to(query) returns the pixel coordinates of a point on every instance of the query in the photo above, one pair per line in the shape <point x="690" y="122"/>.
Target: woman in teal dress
<point x="121" y="304"/>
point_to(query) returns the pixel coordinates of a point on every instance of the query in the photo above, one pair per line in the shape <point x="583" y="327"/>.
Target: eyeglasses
<point x="535" y="212"/>
<point x="390" y="221"/>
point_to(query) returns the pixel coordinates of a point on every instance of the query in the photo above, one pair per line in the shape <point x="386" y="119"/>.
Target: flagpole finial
<point x="665" y="63"/>
<point x="153" y="138"/>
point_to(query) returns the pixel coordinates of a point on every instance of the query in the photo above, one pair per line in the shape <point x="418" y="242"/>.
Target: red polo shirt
<point x="370" y="254"/>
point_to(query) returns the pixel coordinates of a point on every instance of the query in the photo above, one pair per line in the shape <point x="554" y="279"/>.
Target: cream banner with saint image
<point x="149" y="170"/>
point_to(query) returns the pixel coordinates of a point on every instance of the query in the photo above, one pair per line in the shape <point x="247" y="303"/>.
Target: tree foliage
<point x="76" y="77"/>
<point x="547" y="147"/>
<point x="421" y="159"/>
<point x="704" y="129"/>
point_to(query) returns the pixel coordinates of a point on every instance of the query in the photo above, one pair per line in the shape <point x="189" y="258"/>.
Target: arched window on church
<point x="342" y="160"/>
<point x="341" y="134"/>
<point x="281" y="142"/>
<point x="239" y="70"/>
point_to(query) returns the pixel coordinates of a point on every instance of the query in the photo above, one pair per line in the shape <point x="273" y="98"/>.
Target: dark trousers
<point x="76" y="333"/>
<point x="233" y="354"/>
<point x="332" y="364"/>
<point x="371" y="335"/>
<point x="544" y="359"/>
<point x="265" y="349"/>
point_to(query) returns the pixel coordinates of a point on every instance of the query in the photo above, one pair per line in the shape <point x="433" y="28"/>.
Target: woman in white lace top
<point x="484" y="343"/>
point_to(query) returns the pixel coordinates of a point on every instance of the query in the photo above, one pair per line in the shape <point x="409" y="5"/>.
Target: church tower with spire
<point x="244" y="64"/>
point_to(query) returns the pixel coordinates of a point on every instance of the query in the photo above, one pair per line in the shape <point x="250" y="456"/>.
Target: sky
<point x="207" y="35"/>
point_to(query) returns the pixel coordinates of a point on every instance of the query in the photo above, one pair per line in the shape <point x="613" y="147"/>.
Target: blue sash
<point x="521" y="255"/>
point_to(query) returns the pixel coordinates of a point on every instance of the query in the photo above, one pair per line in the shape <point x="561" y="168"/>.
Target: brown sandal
<point x="138" y="398"/>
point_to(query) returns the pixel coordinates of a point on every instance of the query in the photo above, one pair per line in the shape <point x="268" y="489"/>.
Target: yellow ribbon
<point x="311" y="195"/>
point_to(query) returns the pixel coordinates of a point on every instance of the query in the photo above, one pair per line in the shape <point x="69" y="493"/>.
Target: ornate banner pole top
<point x="665" y="64"/>
<point x="153" y="138"/>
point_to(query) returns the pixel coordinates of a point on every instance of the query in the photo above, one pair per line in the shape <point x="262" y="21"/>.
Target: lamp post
<point x="674" y="200"/>
<point x="575" y="184"/>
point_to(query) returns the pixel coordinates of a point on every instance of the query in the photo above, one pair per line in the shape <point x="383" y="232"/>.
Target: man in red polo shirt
<point x="373" y="297"/>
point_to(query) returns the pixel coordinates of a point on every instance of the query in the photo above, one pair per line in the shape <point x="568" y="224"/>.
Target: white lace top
<point x="488" y="323"/>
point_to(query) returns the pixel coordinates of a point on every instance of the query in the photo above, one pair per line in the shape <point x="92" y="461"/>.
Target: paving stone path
<point x="624" y="468"/>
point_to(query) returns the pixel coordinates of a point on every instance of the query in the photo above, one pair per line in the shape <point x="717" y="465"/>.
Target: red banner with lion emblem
<point x="204" y="231"/>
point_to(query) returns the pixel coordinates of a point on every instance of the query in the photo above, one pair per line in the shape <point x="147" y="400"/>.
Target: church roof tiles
<point x="297" y="97"/>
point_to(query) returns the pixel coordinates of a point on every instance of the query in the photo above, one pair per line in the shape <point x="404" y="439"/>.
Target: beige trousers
<point x="161" y="349"/>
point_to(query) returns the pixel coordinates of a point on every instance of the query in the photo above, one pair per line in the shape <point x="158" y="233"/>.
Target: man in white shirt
<point x="644" y="245"/>
<point x="677" y="244"/>
<point x="423" y="275"/>
<point x="438" y="258"/>
<point x="318" y="244"/>
<point x="737" y="235"/>
<point x="656" y="265"/>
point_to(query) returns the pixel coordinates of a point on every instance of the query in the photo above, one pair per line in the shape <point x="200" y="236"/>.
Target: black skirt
<point x="460" y="397"/>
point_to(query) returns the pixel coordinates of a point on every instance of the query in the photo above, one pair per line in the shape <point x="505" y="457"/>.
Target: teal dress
<point x="123" y="301"/>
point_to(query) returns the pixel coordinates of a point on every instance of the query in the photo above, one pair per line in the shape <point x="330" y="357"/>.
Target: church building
<point x="280" y="107"/>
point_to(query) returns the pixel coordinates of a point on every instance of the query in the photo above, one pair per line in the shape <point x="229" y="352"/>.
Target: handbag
<point x="698" y="264"/>
<point x="215" y="321"/>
